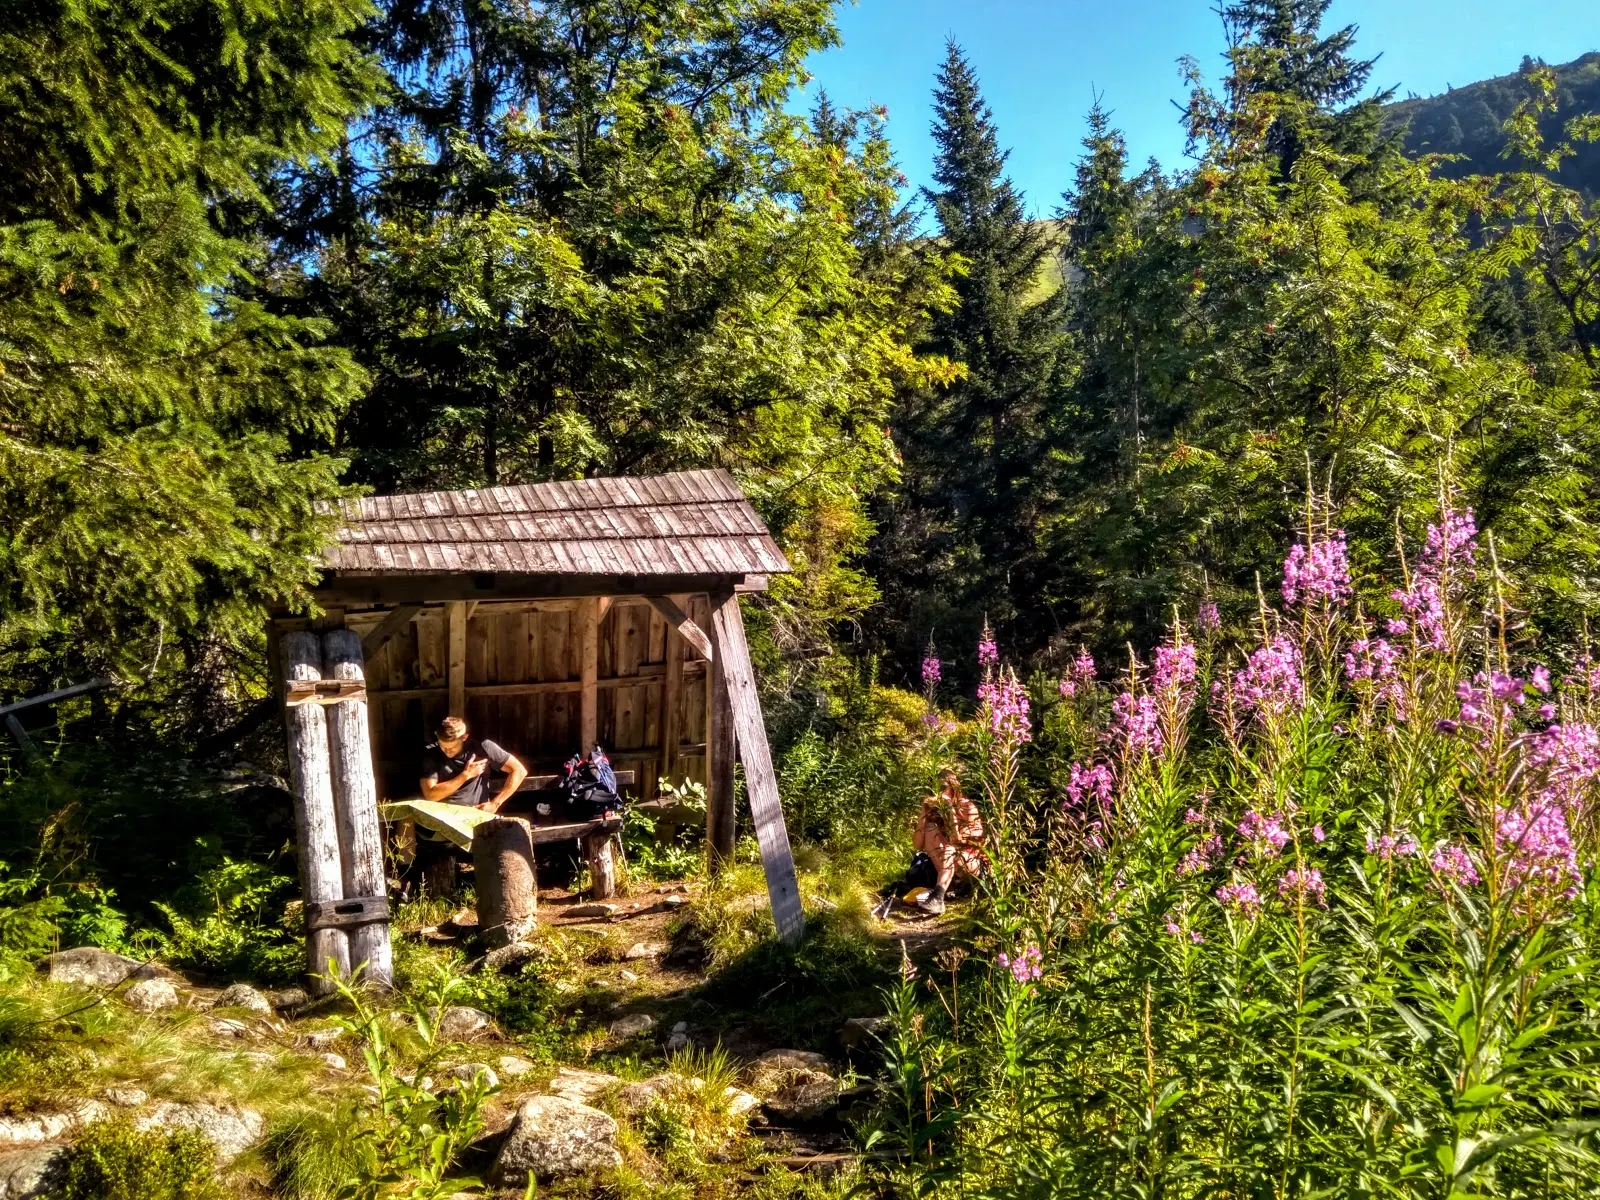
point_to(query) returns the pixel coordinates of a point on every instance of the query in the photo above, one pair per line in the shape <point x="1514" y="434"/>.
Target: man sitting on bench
<point x="455" y="768"/>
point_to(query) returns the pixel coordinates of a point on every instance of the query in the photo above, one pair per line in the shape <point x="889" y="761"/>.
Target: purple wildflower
<point x="1318" y="572"/>
<point x="1089" y="783"/>
<point x="1388" y="846"/>
<point x="1453" y="864"/>
<point x="931" y="670"/>
<point x="1306" y="884"/>
<point x="1006" y="701"/>
<point x="1266" y="833"/>
<point x="1136" y="723"/>
<point x="1025" y="967"/>
<point x="1207" y="618"/>
<point x="1240" y="897"/>
<point x="1204" y="855"/>
<point x="1270" y="685"/>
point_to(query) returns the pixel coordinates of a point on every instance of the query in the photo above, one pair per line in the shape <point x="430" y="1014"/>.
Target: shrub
<point x="225" y="925"/>
<point x="112" y="1161"/>
<point x="1315" y="916"/>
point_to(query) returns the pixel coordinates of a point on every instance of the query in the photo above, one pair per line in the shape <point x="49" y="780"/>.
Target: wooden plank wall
<point x="523" y="687"/>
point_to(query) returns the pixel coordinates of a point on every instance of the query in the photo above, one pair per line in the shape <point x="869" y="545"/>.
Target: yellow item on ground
<point x="455" y="822"/>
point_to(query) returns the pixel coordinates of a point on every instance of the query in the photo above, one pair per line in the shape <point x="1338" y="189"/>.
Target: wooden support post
<point x="456" y="667"/>
<point x="589" y="675"/>
<point x="671" y="707"/>
<point x="355" y="798"/>
<point x="721" y="747"/>
<point x="503" y="869"/>
<point x="679" y="620"/>
<point x="761" y="783"/>
<point x="602" y="865"/>
<point x="388" y="628"/>
<point x="316" y="826"/>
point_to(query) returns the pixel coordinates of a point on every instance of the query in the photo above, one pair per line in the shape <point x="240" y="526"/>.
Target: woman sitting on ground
<point x="950" y="832"/>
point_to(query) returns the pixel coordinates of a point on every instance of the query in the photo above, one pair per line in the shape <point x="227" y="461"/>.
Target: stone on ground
<point x="511" y="1066"/>
<point x="28" y="1173"/>
<point x="863" y="1031"/>
<point x="795" y="1085"/>
<point x="91" y="966"/>
<point x="320" y="1039"/>
<point x="151" y="996"/>
<point x="635" y="1098"/>
<point x="334" y="1062"/>
<point x="230" y="1130"/>
<point x="626" y="976"/>
<point x="228" y="1027"/>
<point x="555" y="1138"/>
<point x="641" y="950"/>
<point x="467" y="1072"/>
<point x="36" y="1128"/>
<point x="460" y="1023"/>
<point x="740" y="1103"/>
<point x="632" y="1025"/>
<point x="242" y="995"/>
<point x="774" y="1067"/>
<point x="592" y="911"/>
<point x="508" y="958"/>
<point x="127" y="1097"/>
<point x="583" y="1087"/>
<point x="287" y="998"/>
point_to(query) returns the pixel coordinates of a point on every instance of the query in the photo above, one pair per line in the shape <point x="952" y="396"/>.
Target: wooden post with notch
<point x="732" y="662"/>
<point x="316" y="824"/>
<point x="355" y="798"/>
<point x="456" y="665"/>
<point x="503" y="869"/>
<point x="589" y="675"/>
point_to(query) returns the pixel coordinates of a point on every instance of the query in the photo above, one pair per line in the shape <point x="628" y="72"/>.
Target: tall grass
<point x="1309" y="913"/>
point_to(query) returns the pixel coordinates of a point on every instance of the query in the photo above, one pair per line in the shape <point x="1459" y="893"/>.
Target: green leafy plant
<point x="229" y="928"/>
<point x="113" y="1161"/>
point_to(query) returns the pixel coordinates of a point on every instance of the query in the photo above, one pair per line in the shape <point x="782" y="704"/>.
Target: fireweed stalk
<point x="1328" y="933"/>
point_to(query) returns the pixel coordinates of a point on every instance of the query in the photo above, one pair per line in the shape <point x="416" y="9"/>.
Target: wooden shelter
<point x="555" y="617"/>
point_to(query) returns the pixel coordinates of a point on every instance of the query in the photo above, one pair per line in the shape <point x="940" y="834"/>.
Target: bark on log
<point x="602" y="865"/>
<point x="508" y="893"/>
<point x="316" y="826"/>
<point x="355" y="797"/>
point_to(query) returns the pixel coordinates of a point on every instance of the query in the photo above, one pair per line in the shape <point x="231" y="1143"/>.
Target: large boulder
<point x="242" y="995"/>
<point x="90" y="966"/>
<point x="795" y="1085"/>
<point x="775" y="1068"/>
<point x="554" y="1138"/>
<point x="230" y="1130"/>
<point x="632" y="1025"/>
<point x="151" y="996"/>
<point x="28" y="1173"/>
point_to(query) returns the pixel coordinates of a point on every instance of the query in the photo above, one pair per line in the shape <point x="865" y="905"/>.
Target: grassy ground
<point x="709" y="961"/>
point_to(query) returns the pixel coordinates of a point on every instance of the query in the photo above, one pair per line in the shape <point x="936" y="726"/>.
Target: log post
<point x="316" y="826"/>
<point x="602" y="865"/>
<point x="503" y="868"/>
<point x="760" y="781"/>
<point x="355" y="798"/>
<point x="456" y="667"/>
<point x="589" y="675"/>
<point x="721" y="747"/>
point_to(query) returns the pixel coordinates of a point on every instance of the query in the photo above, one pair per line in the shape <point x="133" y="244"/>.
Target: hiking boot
<point x="932" y="904"/>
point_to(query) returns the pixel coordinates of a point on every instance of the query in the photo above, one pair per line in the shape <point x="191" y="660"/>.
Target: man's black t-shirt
<point x="436" y="764"/>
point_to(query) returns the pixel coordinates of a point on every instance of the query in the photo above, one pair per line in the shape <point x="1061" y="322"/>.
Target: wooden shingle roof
<point x="687" y="523"/>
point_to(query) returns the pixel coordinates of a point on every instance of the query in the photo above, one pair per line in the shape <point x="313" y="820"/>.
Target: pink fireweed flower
<point x="1306" y="884"/>
<point x="1089" y="783"/>
<point x="1452" y="864"/>
<point x="1536" y="843"/>
<point x="1317" y="835"/>
<point x="1240" y="897"/>
<point x="1453" y="543"/>
<point x="1207" y="618"/>
<point x="1083" y="668"/>
<point x="988" y="652"/>
<point x="1270" y="685"/>
<point x="1136" y="724"/>
<point x="931" y="670"/>
<point x="1266" y="834"/>
<point x="1547" y="712"/>
<point x="1068" y="687"/>
<point x="1204" y="855"/>
<point x="1541" y="679"/>
<point x="1319" y="572"/>
<point x="1173" y="927"/>
<point x="1197" y="938"/>
<point x="1448" y="555"/>
<point x="1006" y="701"/>
<point x="1175" y="669"/>
<point x="1568" y="758"/>
<point x="1026" y="967"/>
<point x="1388" y="846"/>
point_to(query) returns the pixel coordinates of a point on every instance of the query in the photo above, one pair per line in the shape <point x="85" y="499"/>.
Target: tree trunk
<point x="316" y="826"/>
<point x="508" y="892"/>
<point x="355" y="795"/>
<point x="602" y="865"/>
<point x="721" y="747"/>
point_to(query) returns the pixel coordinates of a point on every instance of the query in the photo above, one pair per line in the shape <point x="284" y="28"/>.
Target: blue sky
<point x="1041" y="62"/>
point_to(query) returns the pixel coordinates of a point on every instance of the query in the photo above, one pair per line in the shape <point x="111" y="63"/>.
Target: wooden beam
<point x="588" y="677"/>
<point x="389" y="627"/>
<point x="679" y="620"/>
<point x="355" y="802"/>
<point x="721" y="751"/>
<point x="760" y="781"/>
<point x="316" y="825"/>
<point x="605" y="606"/>
<point x="66" y="693"/>
<point x="456" y="661"/>
<point x="29" y="746"/>
<point x="352" y="591"/>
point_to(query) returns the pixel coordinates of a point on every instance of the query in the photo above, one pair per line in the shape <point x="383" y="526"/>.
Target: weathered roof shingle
<point x="688" y="523"/>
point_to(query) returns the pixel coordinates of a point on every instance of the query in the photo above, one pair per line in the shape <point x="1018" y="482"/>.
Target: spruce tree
<point x="159" y="430"/>
<point x="961" y="539"/>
